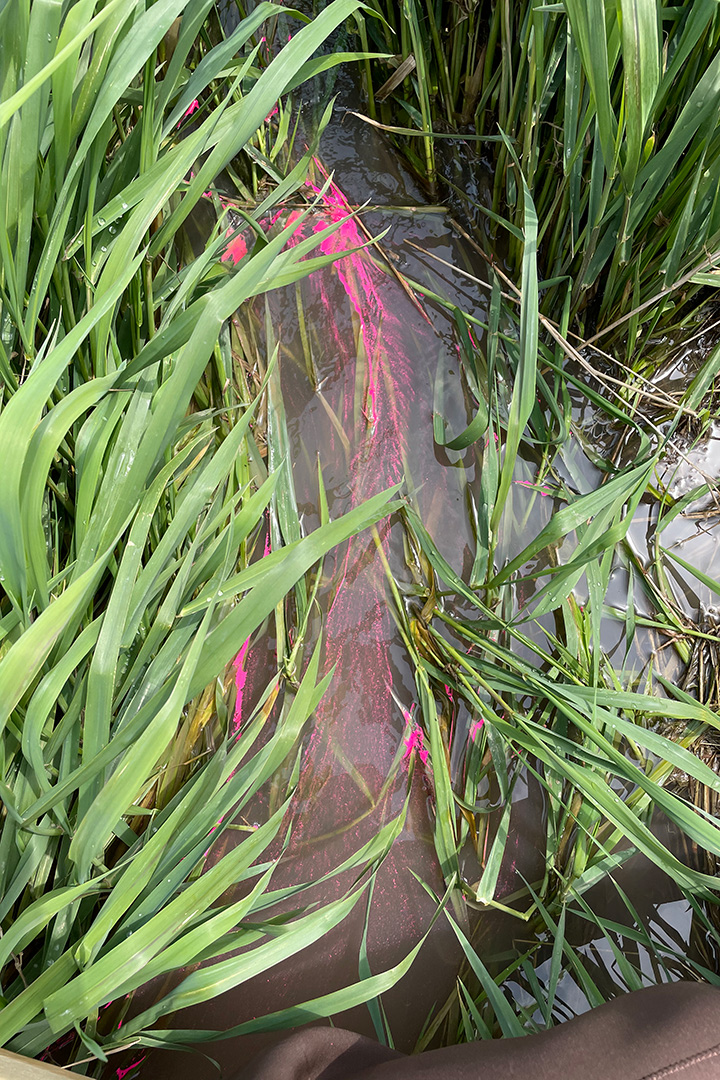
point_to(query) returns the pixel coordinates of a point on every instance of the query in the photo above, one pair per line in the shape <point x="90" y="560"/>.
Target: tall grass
<point x="132" y="498"/>
<point x="534" y="697"/>
<point x="598" y="129"/>
<point x="612" y="111"/>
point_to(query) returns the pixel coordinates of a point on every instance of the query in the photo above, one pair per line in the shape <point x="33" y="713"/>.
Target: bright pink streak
<point x="414" y="740"/>
<point x="236" y="249"/>
<point x="191" y="109"/>
<point x="475" y="729"/>
<point x="362" y="291"/>
<point x="123" y="1072"/>
<point x="240" y="680"/>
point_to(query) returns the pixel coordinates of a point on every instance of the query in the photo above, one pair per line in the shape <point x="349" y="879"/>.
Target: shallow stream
<point x="359" y="358"/>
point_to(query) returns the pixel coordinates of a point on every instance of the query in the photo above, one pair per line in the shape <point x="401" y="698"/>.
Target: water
<point x="358" y="393"/>
<point x="366" y="415"/>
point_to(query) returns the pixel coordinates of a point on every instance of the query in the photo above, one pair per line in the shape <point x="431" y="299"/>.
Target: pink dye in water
<point x="339" y="806"/>
<point x="240" y="680"/>
<point x="414" y="742"/>
<point x="345" y="792"/>
<point x="354" y="720"/>
<point x="475" y="729"/>
<point x="121" y="1073"/>
<point x="236" y="249"/>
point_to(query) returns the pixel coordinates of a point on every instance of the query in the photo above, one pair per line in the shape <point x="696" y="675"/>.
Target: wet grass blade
<point x="523" y="398"/>
<point x="641" y="64"/>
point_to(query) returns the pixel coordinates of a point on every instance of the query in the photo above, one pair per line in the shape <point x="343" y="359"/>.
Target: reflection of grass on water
<point x="142" y="440"/>
<point x="600" y="128"/>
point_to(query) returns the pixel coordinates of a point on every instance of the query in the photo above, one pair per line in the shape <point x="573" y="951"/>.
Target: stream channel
<point x="357" y="393"/>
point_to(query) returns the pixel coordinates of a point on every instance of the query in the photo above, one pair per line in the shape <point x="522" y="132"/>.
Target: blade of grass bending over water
<point x="370" y="987"/>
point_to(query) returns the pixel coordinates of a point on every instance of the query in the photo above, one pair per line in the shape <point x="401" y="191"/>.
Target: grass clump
<point x="612" y="114"/>
<point x="592" y="132"/>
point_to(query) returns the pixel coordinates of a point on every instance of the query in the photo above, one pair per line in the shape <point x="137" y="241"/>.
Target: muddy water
<point x="691" y="460"/>
<point x="358" y="396"/>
